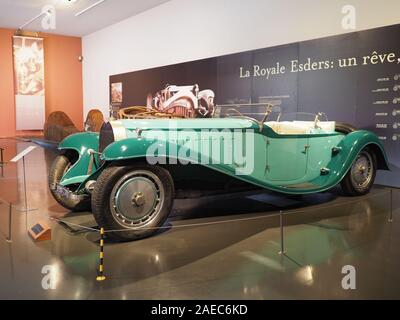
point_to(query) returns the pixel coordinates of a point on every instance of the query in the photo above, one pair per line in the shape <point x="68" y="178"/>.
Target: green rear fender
<point x="350" y="147"/>
<point x="80" y="143"/>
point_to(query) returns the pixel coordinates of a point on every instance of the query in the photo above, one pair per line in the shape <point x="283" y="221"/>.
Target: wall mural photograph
<point x="29" y="82"/>
<point x="352" y="78"/>
<point x="29" y="66"/>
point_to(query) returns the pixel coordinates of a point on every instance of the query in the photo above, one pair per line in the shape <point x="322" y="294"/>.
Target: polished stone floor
<point x="224" y="247"/>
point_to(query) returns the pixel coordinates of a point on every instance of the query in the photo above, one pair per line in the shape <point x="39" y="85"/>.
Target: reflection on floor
<point x="229" y="250"/>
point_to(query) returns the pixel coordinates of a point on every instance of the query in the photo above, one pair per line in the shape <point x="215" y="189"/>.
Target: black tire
<point x="349" y="183"/>
<point x="59" y="167"/>
<point x="108" y="196"/>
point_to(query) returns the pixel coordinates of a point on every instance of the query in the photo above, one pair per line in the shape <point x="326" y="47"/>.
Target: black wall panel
<point x="353" y="78"/>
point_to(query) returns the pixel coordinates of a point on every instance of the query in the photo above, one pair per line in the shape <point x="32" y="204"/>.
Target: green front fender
<point x="132" y="148"/>
<point x="80" y="143"/>
<point x="136" y="148"/>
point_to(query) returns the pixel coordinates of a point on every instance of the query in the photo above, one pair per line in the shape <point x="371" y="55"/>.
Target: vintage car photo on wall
<point x="130" y="173"/>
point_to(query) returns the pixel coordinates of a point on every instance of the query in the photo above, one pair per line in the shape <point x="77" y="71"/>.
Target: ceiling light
<point x="47" y="13"/>
<point x="88" y="8"/>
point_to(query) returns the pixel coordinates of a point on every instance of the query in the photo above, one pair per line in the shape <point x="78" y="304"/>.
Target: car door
<point x="286" y="158"/>
<point x="250" y="155"/>
<point x="320" y="153"/>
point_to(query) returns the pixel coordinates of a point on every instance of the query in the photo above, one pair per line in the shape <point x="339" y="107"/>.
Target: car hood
<point x="173" y="124"/>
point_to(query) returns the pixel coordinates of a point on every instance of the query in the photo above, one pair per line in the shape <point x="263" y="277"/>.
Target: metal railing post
<point x="391" y="205"/>
<point x="9" y="239"/>
<point x="282" y="251"/>
<point x="2" y="161"/>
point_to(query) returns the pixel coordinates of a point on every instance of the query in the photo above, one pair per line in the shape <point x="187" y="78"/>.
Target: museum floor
<point x="223" y="247"/>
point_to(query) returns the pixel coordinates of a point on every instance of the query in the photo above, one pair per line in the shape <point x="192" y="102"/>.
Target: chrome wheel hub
<point x="136" y="198"/>
<point x="361" y="170"/>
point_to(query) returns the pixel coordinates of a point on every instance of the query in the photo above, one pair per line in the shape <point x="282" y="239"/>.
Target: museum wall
<point x="63" y="77"/>
<point x="7" y="110"/>
<point x="63" y="80"/>
<point x="186" y="30"/>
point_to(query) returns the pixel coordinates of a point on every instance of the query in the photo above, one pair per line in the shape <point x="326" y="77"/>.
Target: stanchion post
<point x="2" y="161"/>
<point x="100" y="274"/>
<point x="391" y="205"/>
<point x="16" y="158"/>
<point x="9" y="239"/>
<point x="282" y="251"/>
<point x="26" y="198"/>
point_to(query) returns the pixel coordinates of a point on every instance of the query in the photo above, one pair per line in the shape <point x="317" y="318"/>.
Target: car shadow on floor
<point x="248" y="203"/>
<point x="201" y="229"/>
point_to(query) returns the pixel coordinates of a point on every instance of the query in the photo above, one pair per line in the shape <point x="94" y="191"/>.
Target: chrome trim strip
<point x="119" y="130"/>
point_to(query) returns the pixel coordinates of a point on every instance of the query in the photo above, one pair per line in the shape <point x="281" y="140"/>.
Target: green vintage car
<point x="130" y="173"/>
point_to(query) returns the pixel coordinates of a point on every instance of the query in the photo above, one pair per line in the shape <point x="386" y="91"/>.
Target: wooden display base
<point x="40" y="231"/>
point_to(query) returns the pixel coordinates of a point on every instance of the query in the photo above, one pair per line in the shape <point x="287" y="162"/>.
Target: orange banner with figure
<point x="29" y="82"/>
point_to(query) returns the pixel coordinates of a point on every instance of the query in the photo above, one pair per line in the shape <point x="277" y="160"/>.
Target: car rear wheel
<point x="361" y="175"/>
<point x="59" y="168"/>
<point x="133" y="199"/>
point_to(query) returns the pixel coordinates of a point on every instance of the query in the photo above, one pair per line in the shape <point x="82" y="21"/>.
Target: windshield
<point x="256" y="111"/>
<point x="264" y="112"/>
<point x="299" y="116"/>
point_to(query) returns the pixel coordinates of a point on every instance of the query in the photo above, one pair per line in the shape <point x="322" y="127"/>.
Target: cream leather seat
<point x="301" y="127"/>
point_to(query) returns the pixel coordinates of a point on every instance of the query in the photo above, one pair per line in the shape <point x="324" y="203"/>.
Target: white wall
<point x="185" y="30"/>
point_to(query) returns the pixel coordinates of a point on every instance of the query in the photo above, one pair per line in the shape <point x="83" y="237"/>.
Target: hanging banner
<point x="29" y="83"/>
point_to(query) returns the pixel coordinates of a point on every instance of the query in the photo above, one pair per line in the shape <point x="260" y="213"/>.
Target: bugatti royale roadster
<point x="130" y="173"/>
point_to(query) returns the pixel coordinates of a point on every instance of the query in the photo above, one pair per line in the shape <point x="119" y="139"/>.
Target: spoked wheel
<point x="136" y="199"/>
<point x="59" y="168"/>
<point x="360" y="178"/>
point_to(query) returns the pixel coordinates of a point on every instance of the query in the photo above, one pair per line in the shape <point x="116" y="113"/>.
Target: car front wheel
<point x="59" y="168"/>
<point x="361" y="175"/>
<point x="135" y="200"/>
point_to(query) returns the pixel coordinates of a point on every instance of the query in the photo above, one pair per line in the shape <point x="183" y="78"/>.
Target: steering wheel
<point x="131" y="112"/>
<point x="238" y="114"/>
